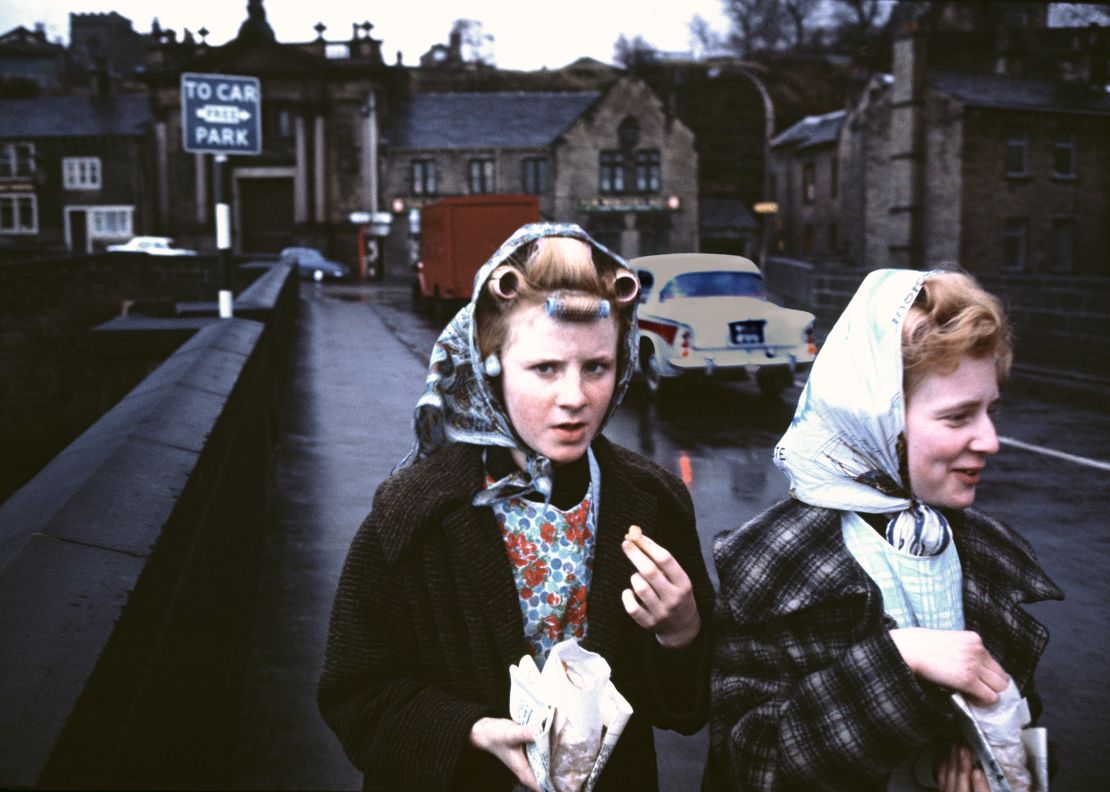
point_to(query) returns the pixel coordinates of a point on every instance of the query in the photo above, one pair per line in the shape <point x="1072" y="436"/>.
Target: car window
<point x="713" y="284"/>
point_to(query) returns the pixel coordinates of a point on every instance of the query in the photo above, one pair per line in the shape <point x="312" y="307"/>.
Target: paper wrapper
<point x="1014" y="759"/>
<point x="575" y="712"/>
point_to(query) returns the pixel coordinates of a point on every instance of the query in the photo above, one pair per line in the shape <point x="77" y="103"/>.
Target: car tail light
<point x="810" y="341"/>
<point x="686" y="342"/>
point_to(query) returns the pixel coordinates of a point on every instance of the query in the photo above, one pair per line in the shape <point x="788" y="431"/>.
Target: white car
<point x="154" y="245"/>
<point x="707" y="314"/>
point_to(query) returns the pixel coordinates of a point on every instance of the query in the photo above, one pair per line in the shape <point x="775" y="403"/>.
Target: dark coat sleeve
<point x="679" y="678"/>
<point x="809" y="697"/>
<point x="401" y="731"/>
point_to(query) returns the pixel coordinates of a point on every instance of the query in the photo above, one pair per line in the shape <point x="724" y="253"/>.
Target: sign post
<point x="221" y="114"/>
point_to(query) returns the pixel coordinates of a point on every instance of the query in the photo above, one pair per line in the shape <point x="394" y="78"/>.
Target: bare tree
<point x="475" y="44"/>
<point x="756" y="25"/>
<point x="799" y="12"/>
<point x="703" y="38"/>
<point x="858" y="17"/>
<point x="633" y="52"/>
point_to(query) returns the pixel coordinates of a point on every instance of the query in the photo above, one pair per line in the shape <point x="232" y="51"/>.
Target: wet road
<point x="718" y="438"/>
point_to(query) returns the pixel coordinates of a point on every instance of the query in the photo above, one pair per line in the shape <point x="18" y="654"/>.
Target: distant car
<point x="708" y="314"/>
<point x="312" y="264"/>
<point x="153" y="245"/>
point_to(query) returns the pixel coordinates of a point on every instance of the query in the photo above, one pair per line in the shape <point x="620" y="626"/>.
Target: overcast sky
<point x="527" y="35"/>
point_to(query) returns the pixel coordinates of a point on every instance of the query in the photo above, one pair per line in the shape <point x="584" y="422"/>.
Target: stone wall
<point x="1060" y="323"/>
<point x="128" y="566"/>
<point x="52" y="387"/>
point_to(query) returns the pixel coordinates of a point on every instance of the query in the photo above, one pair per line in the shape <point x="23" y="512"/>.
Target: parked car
<point x="708" y="315"/>
<point x="153" y="245"/>
<point x="312" y="264"/>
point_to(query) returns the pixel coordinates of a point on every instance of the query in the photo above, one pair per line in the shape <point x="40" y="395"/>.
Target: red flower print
<point x="526" y="593"/>
<point x="551" y="626"/>
<point x="576" y="606"/>
<point x="577" y="517"/>
<point x="547" y="532"/>
<point x="553" y="599"/>
<point x="577" y="534"/>
<point x="521" y="551"/>
<point x="535" y="574"/>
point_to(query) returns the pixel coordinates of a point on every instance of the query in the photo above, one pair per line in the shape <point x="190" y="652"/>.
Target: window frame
<point x="648" y="171"/>
<point x="809" y="182"/>
<point x="611" y="172"/>
<point x="1016" y="229"/>
<point x="10" y="160"/>
<point x="533" y="175"/>
<point x="82" y="173"/>
<point x="1059" y="224"/>
<point x="127" y="230"/>
<point x="422" y="176"/>
<point x="632" y="172"/>
<point x="1016" y="141"/>
<point x="17" y="229"/>
<point x="1067" y="143"/>
<point x="481" y="176"/>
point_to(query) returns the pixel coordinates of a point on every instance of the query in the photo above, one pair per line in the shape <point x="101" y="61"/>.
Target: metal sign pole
<point x="223" y="237"/>
<point x="221" y="114"/>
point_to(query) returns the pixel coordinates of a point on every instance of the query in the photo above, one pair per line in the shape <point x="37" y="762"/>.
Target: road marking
<point x="1054" y="453"/>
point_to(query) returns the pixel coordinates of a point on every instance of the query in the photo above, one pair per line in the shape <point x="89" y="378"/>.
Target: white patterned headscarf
<point x="460" y="406"/>
<point x="845" y="445"/>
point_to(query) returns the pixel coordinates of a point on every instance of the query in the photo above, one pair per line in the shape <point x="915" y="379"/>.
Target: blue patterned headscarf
<point x="844" y="446"/>
<point x="458" y="404"/>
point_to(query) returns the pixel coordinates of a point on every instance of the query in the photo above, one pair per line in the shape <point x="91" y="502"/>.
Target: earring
<point x="492" y="365"/>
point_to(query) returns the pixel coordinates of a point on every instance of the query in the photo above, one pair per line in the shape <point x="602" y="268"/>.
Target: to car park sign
<point x="221" y="114"/>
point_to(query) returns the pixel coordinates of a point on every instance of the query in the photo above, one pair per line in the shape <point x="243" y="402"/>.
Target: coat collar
<point x="788" y="559"/>
<point x="793" y="557"/>
<point x="476" y="549"/>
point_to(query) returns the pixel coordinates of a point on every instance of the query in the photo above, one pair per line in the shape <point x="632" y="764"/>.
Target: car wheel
<point x="773" y="380"/>
<point x="656" y="383"/>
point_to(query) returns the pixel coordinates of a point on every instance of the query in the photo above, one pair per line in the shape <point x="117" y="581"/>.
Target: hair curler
<point x="505" y="282"/>
<point x="576" y="306"/>
<point x="625" y="286"/>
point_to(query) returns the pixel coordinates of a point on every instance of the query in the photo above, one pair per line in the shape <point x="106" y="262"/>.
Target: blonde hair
<point x="953" y="317"/>
<point x="568" y="267"/>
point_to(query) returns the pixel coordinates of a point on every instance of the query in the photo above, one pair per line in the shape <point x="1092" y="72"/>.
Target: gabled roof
<point x="812" y="131"/>
<point x="21" y="41"/>
<point x="74" y="116"/>
<point x="1021" y="93"/>
<point x="487" y="120"/>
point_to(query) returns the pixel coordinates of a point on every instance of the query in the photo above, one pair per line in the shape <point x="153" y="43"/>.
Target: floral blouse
<point x="552" y="555"/>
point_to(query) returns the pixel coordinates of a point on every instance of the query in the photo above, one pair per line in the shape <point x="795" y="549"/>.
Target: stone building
<point x="73" y="171"/>
<point x="321" y="104"/>
<point x="957" y="158"/>
<point x="805" y="183"/>
<point x="613" y="161"/>
<point x="30" y="63"/>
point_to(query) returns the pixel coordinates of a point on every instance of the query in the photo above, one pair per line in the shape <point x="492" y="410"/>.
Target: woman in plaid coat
<point x="849" y="614"/>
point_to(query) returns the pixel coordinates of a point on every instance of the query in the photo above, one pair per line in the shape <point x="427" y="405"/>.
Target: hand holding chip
<point x="661" y="597"/>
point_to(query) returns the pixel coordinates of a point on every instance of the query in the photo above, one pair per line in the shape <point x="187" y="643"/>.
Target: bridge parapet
<point x="128" y="564"/>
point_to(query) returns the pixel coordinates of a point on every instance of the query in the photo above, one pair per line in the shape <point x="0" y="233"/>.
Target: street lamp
<point x="748" y="70"/>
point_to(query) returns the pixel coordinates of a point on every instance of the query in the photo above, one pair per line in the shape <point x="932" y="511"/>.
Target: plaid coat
<point x="427" y="621"/>
<point x="808" y="690"/>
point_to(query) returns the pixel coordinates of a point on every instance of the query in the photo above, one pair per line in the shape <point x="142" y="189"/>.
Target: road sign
<point x="221" y="114"/>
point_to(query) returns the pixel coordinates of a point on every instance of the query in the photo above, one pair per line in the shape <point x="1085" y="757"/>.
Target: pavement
<point x="346" y="423"/>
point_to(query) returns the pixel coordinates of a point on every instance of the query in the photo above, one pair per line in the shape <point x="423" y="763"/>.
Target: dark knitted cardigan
<point x="427" y="621"/>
